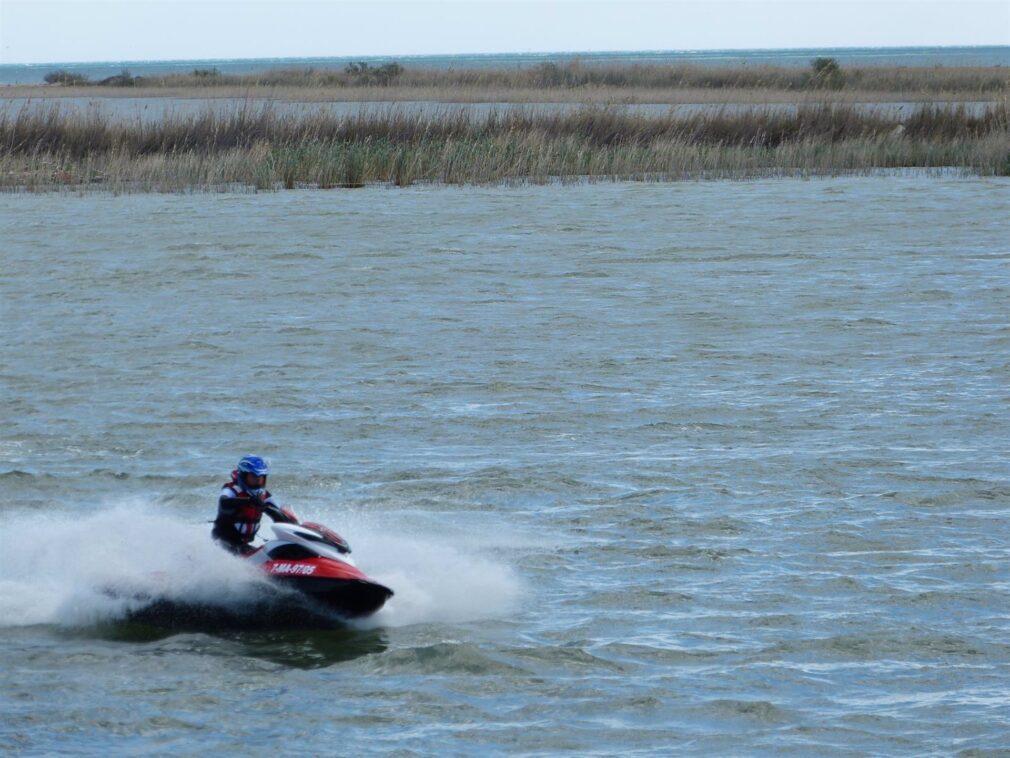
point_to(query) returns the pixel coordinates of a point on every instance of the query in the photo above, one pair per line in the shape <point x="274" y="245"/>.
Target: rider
<point x="242" y="503"/>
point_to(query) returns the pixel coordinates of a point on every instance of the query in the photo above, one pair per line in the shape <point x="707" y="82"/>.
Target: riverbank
<point x="259" y="148"/>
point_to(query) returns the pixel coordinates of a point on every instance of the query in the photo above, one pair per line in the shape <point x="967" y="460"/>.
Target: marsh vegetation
<point x="562" y="82"/>
<point x="258" y="148"/>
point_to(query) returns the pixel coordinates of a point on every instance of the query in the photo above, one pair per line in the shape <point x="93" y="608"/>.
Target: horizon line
<point x="503" y="53"/>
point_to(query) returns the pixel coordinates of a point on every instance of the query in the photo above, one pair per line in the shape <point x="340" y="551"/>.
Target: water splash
<point x="60" y="568"/>
<point x="443" y="569"/>
<point x="437" y="582"/>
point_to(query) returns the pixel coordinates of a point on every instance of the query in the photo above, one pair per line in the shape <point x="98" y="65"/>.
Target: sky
<point x="56" y="31"/>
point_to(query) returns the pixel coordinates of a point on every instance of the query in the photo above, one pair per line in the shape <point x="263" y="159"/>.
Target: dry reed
<point x="979" y="80"/>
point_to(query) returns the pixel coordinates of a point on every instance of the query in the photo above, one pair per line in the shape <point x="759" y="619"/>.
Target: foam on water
<point x="60" y="568"/>
<point x="441" y="571"/>
<point x="63" y="568"/>
<point x="436" y="582"/>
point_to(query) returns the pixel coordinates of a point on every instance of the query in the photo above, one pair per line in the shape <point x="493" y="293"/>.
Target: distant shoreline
<point x="943" y="55"/>
<point x="546" y="82"/>
<point x="824" y="77"/>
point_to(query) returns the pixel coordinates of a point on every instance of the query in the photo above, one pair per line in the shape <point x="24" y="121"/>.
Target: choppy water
<point x="699" y="467"/>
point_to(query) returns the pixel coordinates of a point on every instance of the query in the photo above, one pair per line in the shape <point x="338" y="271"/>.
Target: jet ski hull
<point x="314" y="561"/>
<point x="351" y="598"/>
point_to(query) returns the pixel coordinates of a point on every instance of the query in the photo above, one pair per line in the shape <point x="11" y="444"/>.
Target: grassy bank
<point x="42" y="148"/>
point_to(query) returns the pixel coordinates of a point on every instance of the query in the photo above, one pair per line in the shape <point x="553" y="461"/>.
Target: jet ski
<point x="316" y="562"/>
<point x="311" y="582"/>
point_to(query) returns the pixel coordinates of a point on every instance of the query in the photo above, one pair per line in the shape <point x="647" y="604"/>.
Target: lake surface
<point x="704" y="468"/>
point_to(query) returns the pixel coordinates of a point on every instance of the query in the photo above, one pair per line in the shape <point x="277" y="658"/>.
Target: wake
<point x="128" y="563"/>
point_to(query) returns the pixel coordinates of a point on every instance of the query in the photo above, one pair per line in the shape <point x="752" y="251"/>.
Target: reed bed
<point x="258" y="148"/>
<point x="575" y="75"/>
<point x="981" y="81"/>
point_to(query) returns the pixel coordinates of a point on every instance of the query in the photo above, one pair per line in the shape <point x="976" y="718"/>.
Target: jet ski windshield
<point x="310" y="534"/>
<point x="327" y="536"/>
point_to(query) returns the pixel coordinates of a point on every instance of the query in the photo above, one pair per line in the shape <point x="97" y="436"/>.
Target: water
<point x="994" y="55"/>
<point x="159" y="109"/>
<point x="697" y="467"/>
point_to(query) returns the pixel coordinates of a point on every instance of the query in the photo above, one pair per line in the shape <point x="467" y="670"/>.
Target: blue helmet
<point x="252" y="464"/>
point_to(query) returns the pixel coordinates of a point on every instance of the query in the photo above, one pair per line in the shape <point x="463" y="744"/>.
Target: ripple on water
<point x="733" y="482"/>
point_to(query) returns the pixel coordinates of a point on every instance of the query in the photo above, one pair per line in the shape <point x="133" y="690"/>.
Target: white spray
<point x="59" y="568"/>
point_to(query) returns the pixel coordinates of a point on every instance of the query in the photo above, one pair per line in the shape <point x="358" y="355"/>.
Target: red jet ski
<point x="316" y="561"/>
